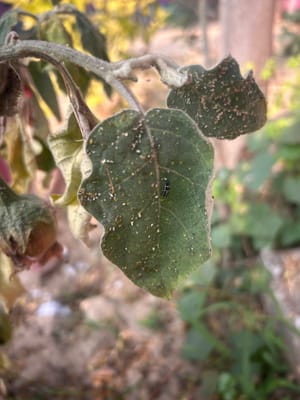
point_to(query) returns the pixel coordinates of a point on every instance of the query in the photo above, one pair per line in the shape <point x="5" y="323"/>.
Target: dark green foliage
<point x="43" y="84"/>
<point x="220" y="100"/>
<point x="270" y="220"/>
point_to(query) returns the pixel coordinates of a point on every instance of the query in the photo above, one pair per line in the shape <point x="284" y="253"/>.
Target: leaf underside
<point x="223" y="103"/>
<point x="66" y="147"/>
<point x="151" y="199"/>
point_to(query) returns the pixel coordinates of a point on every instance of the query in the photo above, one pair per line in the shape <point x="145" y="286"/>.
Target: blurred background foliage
<point x="256" y="207"/>
<point x="120" y="21"/>
<point x="289" y="35"/>
<point x="257" y="203"/>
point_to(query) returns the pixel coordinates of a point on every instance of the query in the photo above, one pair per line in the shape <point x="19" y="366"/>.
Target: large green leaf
<point x="150" y="197"/>
<point x="66" y="147"/>
<point x="220" y="100"/>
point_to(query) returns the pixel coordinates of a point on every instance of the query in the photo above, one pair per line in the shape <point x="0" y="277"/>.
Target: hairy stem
<point x="112" y="73"/>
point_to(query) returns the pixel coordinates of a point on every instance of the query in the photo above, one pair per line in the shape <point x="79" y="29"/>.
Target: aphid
<point x="166" y="187"/>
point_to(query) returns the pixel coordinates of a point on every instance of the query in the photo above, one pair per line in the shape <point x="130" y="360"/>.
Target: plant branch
<point x="110" y="72"/>
<point x="167" y="69"/>
<point x="85" y="118"/>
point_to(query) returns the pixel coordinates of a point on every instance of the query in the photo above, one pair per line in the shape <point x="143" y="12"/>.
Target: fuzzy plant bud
<point x="27" y="228"/>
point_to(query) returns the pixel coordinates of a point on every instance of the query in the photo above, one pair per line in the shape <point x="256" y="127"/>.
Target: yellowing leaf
<point x="66" y="147"/>
<point x="19" y="155"/>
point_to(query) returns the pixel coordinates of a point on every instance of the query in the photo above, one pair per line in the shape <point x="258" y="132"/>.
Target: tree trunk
<point x="247" y="28"/>
<point x="246" y="34"/>
<point x="202" y="11"/>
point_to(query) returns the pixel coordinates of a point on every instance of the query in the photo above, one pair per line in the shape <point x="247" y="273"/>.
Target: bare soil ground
<point x="82" y="334"/>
